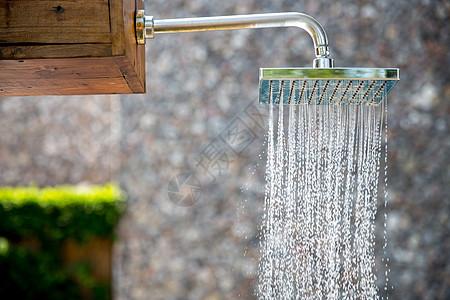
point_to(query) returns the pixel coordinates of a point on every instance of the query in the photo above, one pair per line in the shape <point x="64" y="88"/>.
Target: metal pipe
<point x="270" y="20"/>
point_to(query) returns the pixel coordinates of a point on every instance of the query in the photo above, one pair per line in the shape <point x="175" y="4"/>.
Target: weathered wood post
<point x="60" y="47"/>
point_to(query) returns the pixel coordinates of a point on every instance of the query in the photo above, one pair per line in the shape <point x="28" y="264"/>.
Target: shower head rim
<point x="329" y="73"/>
<point x="339" y="86"/>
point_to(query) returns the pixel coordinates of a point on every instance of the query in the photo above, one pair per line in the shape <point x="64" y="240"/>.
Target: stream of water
<point x="318" y="230"/>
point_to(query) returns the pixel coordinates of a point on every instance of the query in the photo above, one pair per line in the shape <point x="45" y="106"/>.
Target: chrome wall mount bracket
<point x="140" y="27"/>
<point x="148" y="27"/>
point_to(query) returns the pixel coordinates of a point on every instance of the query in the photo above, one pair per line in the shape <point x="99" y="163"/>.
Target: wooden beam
<point x="47" y="22"/>
<point x="70" y="47"/>
<point x="73" y="76"/>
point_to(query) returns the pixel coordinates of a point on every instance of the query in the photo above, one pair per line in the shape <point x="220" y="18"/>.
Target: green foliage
<point x="29" y="275"/>
<point x="4" y="245"/>
<point x="55" y="214"/>
<point x="35" y="223"/>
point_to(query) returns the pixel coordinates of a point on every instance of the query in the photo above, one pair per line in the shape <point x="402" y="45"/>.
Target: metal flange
<point x="140" y="27"/>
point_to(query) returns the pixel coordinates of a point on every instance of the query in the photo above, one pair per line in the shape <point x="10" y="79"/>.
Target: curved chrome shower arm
<point x="147" y="27"/>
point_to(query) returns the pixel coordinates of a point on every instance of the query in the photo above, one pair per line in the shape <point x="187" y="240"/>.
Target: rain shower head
<point x="330" y="86"/>
<point x="321" y="85"/>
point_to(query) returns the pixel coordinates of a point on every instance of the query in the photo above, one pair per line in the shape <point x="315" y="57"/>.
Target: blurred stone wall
<point x="59" y="140"/>
<point x="189" y="153"/>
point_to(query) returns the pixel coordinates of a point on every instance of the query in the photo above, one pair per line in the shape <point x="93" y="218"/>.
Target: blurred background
<point x="190" y="152"/>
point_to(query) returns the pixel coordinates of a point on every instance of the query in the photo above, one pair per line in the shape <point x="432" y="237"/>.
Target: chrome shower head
<point x="322" y="85"/>
<point x="330" y="86"/>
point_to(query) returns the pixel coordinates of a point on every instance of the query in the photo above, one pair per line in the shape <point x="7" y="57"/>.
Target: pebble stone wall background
<point x="188" y="152"/>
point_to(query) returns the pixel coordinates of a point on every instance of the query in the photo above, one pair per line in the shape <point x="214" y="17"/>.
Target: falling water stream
<point x="318" y="229"/>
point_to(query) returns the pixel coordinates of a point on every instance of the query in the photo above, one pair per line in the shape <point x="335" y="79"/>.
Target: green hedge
<point x="52" y="216"/>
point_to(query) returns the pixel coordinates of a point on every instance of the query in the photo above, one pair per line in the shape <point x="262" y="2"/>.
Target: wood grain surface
<point x="70" y="47"/>
<point x="47" y="22"/>
<point x="62" y="76"/>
